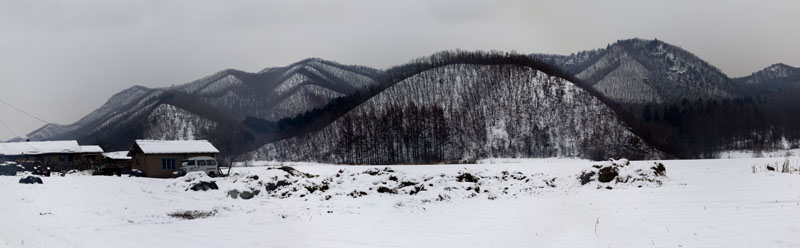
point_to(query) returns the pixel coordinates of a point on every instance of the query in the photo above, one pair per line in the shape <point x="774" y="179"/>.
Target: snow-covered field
<point x="764" y="154"/>
<point x="519" y="203"/>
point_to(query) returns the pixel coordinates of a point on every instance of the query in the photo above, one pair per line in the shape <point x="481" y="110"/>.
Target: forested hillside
<point x="686" y="107"/>
<point x="467" y="106"/>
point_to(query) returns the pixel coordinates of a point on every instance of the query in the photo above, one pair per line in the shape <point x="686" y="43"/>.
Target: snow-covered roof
<point x="39" y="147"/>
<point x="116" y="155"/>
<point x="91" y="149"/>
<point x="176" y="146"/>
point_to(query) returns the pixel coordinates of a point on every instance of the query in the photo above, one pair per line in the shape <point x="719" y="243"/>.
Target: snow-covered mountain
<point x="683" y="105"/>
<point x="168" y="122"/>
<point x="646" y="71"/>
<point x="775" y="78"/>
<point x="460" y="105"/>
<point x="118" y="103"/>
<point x="201" y="108"/>
<point x="446" y="107"/>
<point x="463" y="108"/>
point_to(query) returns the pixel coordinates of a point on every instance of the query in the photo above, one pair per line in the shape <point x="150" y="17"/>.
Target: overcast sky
<point x="59" y="60"/>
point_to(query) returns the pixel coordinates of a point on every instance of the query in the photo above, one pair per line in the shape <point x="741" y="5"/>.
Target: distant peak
<point x="138" y="87"/>
<point x="653" y="45"/>
<point x="226" y="72"/>
<point x="135" y="88"/>
<point x="777" y="66"/>
<point x="312" y="60"/>
<point x="641" y="41"/>
<point x="777" y="70"/>
<point x="303" y="62"/>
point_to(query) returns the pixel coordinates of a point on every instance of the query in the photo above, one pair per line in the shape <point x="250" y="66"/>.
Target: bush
<point x="659" y="169"/>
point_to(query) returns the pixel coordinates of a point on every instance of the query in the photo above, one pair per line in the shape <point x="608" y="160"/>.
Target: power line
<point x="15" y="134"/>
<point x="9" y="129"/>
<point x="22" y="111"/>
<point x="12" y="133"/>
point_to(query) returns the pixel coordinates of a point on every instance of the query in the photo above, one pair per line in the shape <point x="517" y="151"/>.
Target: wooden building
<point x="57" y="155"/>
<point x="91" y="157"/>
<point x="161" y="158"/>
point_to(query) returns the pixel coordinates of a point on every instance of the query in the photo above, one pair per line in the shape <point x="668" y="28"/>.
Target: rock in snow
<point x="30" y="180"/>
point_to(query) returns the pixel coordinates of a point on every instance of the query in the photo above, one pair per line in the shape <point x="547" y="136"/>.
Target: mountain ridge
<point x="659" y="71"/>
<point x="248" y="112"/>
<point x="229" y="95"/>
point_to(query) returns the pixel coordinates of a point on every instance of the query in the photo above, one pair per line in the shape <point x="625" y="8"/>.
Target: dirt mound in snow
<point x="616" y="173"/>
<point x="288" y="182"/>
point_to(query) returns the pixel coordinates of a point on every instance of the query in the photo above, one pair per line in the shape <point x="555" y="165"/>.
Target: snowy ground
<point x="763" y="154"/>
<point x="702" y="203"/>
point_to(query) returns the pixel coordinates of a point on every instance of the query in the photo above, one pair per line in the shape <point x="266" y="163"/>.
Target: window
<point x="201" y="162"/>
<point x="191" y="162"/>
<point x="211" y="162"/>
<point x="168" y="163"/>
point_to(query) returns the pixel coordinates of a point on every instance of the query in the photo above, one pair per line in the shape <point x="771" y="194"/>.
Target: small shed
<point x="114" y="163"/>
<point x="161" y="158"/>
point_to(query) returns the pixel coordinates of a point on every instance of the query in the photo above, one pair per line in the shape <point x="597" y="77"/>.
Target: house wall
<point x="118" y="163"/>
<point x="56" y="162"/>
<point x="59" y="161"/>
<point x="90" y="161"/>
<point x="150" y="164"/>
